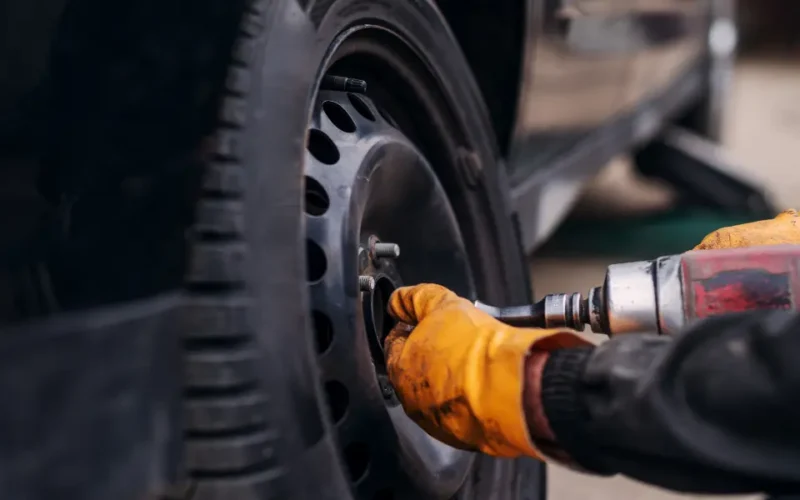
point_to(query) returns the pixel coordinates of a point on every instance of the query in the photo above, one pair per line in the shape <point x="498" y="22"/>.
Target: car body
<point x="572" y="84"/>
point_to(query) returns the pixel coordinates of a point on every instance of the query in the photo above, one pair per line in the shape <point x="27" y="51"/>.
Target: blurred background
<point x="762" y="136"/>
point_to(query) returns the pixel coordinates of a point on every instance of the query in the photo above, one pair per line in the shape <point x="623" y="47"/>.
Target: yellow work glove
<point x="459" y="372"/>
<point x="782" y="230"/>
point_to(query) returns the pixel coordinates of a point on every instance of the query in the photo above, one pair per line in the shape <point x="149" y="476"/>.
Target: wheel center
<point x="369" y="193"/>
<point x="379" y="279"/>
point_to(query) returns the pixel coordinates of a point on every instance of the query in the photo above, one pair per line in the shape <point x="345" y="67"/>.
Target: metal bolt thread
<point x="366" y="283"/>
<point x="344" y="84"/>
<point x="386" y="250"/>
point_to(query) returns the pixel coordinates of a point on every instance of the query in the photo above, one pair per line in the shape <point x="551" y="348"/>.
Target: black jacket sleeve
<point x="713" y="410"/>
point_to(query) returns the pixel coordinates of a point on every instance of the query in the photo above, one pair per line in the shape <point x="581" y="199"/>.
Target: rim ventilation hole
<point x="322" y="147"/>
<point x="323" y="331"/>
<point x="357" y="457"/>
<point x="317" y="201"/>
<point x="361" y="106"/>
<point x="339" y="116"/>
<point x="338" y="400"/>
<point x="316" y="261"/>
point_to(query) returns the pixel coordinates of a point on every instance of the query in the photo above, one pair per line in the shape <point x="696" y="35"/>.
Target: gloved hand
<point x="781" y="230"/>
<point x="459" y="373"/>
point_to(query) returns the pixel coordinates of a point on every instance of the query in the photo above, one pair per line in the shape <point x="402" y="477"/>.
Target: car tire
<point x="257" y="418"/>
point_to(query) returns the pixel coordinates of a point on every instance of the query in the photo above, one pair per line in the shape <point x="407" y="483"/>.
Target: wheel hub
<point x="370" y="193"/>
<point x="376" y="265"/>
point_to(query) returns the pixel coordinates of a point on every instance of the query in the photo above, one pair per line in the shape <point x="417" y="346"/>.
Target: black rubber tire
<point x="255" y="410"/>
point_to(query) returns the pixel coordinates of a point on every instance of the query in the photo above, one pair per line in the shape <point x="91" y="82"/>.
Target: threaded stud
<point x="386" y="250"/>
<point x="366" y="283"/>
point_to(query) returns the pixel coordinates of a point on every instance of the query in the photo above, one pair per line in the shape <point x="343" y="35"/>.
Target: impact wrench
<point x="666" y="294"/>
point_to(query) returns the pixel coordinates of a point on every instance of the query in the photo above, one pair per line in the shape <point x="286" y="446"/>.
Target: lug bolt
<point x="386" y="390"/>
<point x="386" y="250"/>
<point x="366" y="283"/>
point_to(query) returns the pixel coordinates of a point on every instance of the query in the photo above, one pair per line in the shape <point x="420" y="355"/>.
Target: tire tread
<point x="229" y="438"/>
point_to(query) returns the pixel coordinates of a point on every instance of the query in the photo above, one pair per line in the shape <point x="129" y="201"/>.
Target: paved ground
<point x="764" y="136"/>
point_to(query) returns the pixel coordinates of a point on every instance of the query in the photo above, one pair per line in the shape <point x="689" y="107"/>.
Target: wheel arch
<point x="492" y="38"/>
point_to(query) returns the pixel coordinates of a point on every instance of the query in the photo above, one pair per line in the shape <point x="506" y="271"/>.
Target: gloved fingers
<point x="781" y="230"/>
<point x="444" y="437"/>
<point x="716" y="240"/>
<point x="410" y="304"/>
<point x="394" y="344"/>
<point x="745" y="237"/>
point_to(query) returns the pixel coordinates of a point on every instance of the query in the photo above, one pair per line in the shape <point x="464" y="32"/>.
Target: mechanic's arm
<point x="716" y="409"/>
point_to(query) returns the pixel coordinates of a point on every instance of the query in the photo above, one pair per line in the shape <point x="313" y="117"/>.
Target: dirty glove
<point x="782" y="230"/>
<point x="459" y="372"/>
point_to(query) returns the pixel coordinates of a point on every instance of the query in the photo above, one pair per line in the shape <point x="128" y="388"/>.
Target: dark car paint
<point x="592" y="78"/>
<point x="492" y="36"/>
<point x="553" y="73"/>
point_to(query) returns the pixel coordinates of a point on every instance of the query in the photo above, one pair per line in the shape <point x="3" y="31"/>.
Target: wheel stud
<point x="366" y="283"/>
<point x="386" y="250"/>
<point x="343" y="84"/>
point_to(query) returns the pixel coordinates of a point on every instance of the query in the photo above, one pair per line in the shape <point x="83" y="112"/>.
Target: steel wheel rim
<point x="365" y="180"/>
